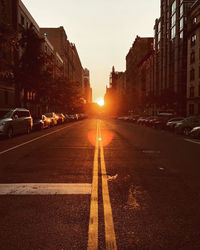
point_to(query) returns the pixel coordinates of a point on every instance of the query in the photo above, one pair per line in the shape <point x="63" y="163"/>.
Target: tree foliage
<point x="33" y="74"/>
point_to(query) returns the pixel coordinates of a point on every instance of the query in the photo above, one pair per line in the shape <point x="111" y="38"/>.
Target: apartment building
<point x="58" y="38"/>
<point x="146" y="81"/>
<point x="140" y="49"/>
<point x="193" y="61"/>
<point x="170" y="44"/>
<point x="8" y="28"/>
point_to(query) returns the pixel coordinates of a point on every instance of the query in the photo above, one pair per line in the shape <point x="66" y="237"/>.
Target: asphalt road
<point x="99" y="184"/>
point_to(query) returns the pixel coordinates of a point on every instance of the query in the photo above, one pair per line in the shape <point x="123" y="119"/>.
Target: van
<point x="15" y="121"/>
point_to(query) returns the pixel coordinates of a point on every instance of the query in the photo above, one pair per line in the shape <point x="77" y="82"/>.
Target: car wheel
<point x="10" y="132"/>
<point x="186" y="131"/>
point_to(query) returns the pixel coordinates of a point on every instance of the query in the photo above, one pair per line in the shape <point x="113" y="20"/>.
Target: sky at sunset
<point x="102" y="30"/>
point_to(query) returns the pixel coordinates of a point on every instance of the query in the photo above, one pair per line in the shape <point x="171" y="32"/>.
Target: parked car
<point x="186" y="125"/>
<point x="72" y="118"/>
<point x="67" y="118"/>
<point x="134" y="118"/>
<point x="15" y="121"/>
<point x="195" y="132"/>
<point x="149" y="120"/>
<point x="53" y="117"/>
<point x="172" y="123"/>
<point x="141" y="120"/>
<point x="41" y="122"/>
<point x="161" y="121"/>
<point x="61" y="118"/>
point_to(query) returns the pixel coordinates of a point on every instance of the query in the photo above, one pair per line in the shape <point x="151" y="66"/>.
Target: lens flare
<point x="105" y="139"/>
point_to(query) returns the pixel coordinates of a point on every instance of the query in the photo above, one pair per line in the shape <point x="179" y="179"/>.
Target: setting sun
<point x="100" y="102"/>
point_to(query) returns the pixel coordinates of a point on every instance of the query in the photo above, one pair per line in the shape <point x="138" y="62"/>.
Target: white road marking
<point x="35" y="139"/>
<point x="45" y="188"/>
<point x="193" y="141"/>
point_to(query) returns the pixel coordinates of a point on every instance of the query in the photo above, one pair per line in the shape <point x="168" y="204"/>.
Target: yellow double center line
<point x="108" y="218"/>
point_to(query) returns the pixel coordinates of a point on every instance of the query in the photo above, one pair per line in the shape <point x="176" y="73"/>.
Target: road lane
<point x="154" y="196"/>
<point x="47" y="221"/>
<point x="153" y="184"/>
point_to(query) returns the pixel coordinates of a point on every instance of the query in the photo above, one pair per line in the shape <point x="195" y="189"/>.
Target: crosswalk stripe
<point x="44" y="188"/>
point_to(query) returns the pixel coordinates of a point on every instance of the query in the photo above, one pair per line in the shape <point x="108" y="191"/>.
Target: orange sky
<point x="103" y="30"/>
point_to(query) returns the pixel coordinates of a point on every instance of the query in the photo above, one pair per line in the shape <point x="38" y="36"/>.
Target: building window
<point x="173" y="21"/>
<point x="173" y="9"/>
<point x="181" y="10"/>
<point x="192" y="75"/>
<point x="173" y="32"/>
<point x="193" y="39"/>
<point x="192" y="57"/>
<point x="192" y="91"/>
<point x="181" y="23"/>
<point x="191" y="109"/>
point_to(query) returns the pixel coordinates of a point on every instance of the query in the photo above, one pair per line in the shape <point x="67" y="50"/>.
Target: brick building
<point x="68" y="52"/>
<point x="139" y="51"/>
<point x="146" y="82"/>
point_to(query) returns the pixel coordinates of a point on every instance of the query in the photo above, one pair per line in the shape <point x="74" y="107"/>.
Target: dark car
<point x="150" y="120"/>
<point x="141" y="120"/>
<point x="195" y="132"/>
<point x="170" y="125"/>
<point x="161" y="121"/>
<point x="15" y="121"/>
<point x="41" y="122"/>
<point x="67" y="118"/>
<point x="186" y="125"/>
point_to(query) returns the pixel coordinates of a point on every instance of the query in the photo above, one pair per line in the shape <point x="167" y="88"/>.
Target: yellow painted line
<point x="108" y="218"/>
<point x="93" y="222"/>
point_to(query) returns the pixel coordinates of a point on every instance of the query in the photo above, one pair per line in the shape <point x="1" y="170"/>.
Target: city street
<point x="99" y="184"/>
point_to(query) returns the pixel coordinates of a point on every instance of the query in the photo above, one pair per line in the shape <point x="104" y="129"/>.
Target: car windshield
<point x="5" y="114"/>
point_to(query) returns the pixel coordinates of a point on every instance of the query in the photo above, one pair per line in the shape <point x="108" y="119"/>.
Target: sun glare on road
<point x="100" y="102"/>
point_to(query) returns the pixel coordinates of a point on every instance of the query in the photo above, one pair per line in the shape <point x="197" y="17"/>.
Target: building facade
<point x="115" y="97"/>
<point x="170" y="44"/>
<point x="146" y="82"/>
<point x="59" y="61"/>
<point x="193" y="61"/>
<point x="86" y="86"/>
<point x="140" y="50"/>
<point x="8" y="27"/>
